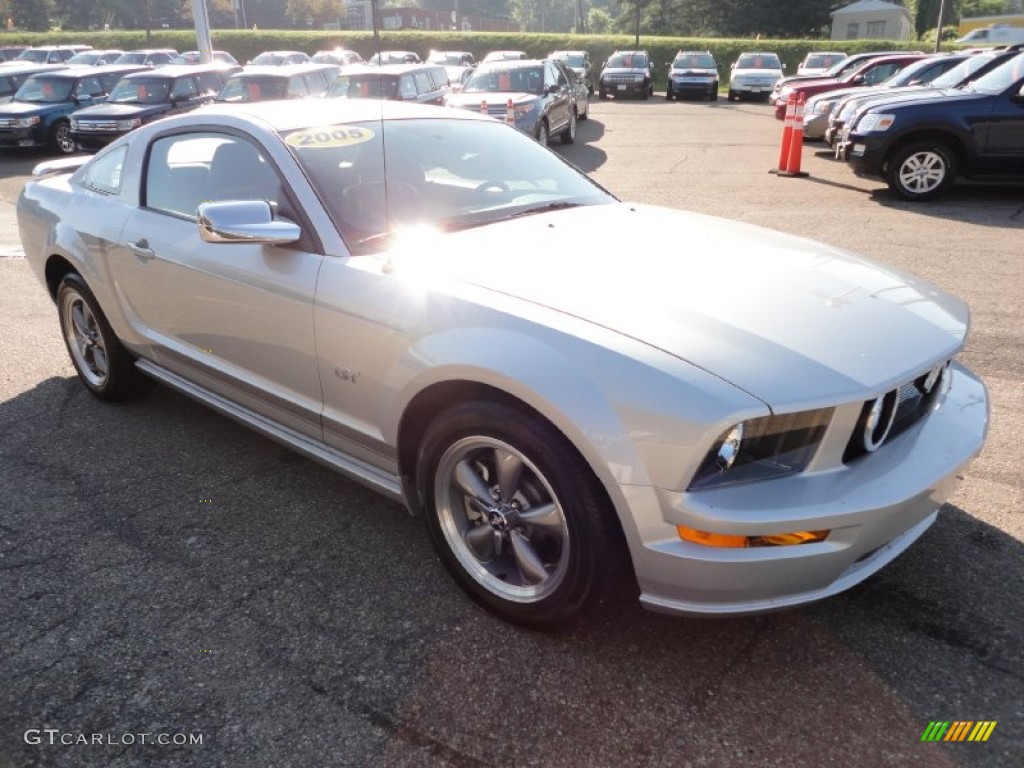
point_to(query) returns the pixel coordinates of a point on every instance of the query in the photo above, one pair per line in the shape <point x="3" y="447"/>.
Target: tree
<point x="33" y="15"/>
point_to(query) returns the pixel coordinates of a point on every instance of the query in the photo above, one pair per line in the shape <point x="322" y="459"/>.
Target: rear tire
<point x="517" y="517"/>
<point x="104" y="366"/>
<point x="568" y="136"/>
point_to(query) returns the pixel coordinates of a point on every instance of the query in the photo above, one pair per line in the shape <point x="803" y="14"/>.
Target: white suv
<point x="754" y="74"/>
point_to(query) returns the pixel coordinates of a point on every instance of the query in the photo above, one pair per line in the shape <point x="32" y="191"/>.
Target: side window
<point x="184" y="88"/>
<point x="316" y="83"/>
<point x="210" y="83"/>
<point x="550" y="78"/>
<point x="88" y="86"/>
<point x="107" y="82"/>
<point x="103" y="175"/>
<point x="296" y="88"/>
<point x="424" y="85"/>
<point x="440" y="77"/>
<point x="407" y="87"/>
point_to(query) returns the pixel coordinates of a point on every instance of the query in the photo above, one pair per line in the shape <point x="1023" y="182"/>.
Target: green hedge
<point x="245" y="44"/>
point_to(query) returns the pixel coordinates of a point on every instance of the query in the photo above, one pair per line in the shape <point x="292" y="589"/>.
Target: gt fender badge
<point x="346" y="374"/>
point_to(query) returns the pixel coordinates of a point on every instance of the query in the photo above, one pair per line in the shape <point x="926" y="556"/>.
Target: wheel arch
<point x="435" y="398"/>
<point x="55" y="270"/>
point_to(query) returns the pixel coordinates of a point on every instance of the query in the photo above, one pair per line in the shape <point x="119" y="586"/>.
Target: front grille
<point x="901" y="409"/>
<point x="90" y="126"/>
<point x="621" y="79"/>
<point x="7" y="124"/>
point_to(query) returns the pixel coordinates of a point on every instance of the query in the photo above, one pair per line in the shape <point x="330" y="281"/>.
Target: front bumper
<point x="623" y="89"/>
<point x="698" y="87"/>
<point x="874" y="507"/>
<point x="22" y="137"/>
<point x="95" y="141"/>
<point x="865" y="154"/>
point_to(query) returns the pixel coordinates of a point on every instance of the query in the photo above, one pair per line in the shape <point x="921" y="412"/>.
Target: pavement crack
<point x="420" y="739"/>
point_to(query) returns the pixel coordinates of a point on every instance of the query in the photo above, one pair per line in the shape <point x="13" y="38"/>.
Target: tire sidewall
<point x="546" y="449"/>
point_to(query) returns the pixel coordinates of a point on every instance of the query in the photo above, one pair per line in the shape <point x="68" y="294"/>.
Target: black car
<point x="627" y="73"/>
<point x="145" y="96"/>
<point x="693" y="73"/>
<point x="920" y="147"/>
<point x="40" y="112"/>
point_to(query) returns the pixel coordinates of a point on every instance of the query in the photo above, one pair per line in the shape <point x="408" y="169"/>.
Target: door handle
<point x="141" y="249"/>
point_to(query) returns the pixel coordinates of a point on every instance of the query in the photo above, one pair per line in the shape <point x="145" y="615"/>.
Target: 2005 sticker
<point x="329" y="136"/>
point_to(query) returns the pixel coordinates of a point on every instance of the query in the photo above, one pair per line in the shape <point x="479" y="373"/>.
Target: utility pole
<point x="938" y="29"/>
<point x="202" y="22"/>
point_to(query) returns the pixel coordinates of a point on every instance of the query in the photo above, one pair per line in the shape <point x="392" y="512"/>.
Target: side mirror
<point x="858" y="80"/>
<point x="244" y="221"/>
<point x="554" y="88"/>
<point x="85" y="98"/>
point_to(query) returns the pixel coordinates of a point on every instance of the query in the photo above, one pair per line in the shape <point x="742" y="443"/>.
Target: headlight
<point x="845" y="112"/>
<point x="638" y="78"/>
<point x="127" y="125"/>
<point x="875" y="123"/>
<point x="762" y="448"/>
<point x="74" y="124"/>
<point x="823" y="107"/>
<point x="26" y="122"/>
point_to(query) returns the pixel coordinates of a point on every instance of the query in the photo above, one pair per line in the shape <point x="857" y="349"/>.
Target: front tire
<point x="542" y="133"/>
<point x="921" y="171"/>
<point x="102" y="363"/>
<point x="61" y="139"/>
<point x="516" y="515"/>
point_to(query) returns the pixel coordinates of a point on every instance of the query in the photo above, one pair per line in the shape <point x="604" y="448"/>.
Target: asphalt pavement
<point x="166" y="573"/>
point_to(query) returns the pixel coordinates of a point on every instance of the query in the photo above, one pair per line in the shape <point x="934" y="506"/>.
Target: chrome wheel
<point x="923" y="172"/>
<point x="62" y="138"/>
<point x="501" y="519"/>
<point x="84" y="339"/>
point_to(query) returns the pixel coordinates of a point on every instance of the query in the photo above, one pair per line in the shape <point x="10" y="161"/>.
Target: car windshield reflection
<point x="442" y="174"/>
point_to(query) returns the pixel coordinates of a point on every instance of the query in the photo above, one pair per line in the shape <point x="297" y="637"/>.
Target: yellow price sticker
<point x="329" y="136"/>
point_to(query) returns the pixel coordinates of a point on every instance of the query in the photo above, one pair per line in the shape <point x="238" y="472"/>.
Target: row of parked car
<point x="919" y="121"/>
<point x="70" y="107"/>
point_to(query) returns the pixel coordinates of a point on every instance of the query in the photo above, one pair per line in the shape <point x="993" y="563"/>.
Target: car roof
<point x="283" y="116"/>
<point x="73" y="73"/>
<point x="287" y="70"/>
<point x="170" y="71"/>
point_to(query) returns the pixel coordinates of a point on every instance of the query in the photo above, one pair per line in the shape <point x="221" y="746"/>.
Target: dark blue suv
<point x="146" y="96"/>
<point x="39" y="114"/>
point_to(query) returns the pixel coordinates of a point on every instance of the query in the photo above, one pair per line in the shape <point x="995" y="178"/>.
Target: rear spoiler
<point x="61" y="165"/>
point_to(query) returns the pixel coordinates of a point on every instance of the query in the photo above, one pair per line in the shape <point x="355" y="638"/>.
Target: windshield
<point x="131" y="58"/>
<point x="45" y="90"/>
<point x="572" y="59"/>
<point x="694" y="61"/>
<point x="245" y="89"/>
<point x="758" y="61"/>
<point x="443" y="174"/>
<point x="447" y="57"/>
<point x="505" y="79"/>
<point x="141" y="91"/>
<point x="36" y="56"/>
<point x="823" y="60"/>
<point x="368" y="85"/>
<point x="84" y="58"/>
<point x="1009" y="73"/>
<point x="627" y="61"/>
<point x="845" y="67"/>
<point x="917" y="71"/>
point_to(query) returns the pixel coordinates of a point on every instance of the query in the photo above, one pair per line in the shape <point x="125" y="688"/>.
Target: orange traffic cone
<point x="796" y="145"/>
<point x="510" y="113"/>
<point x="787" y="133"/>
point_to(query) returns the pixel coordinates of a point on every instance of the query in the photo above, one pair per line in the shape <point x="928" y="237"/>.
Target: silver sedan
<point x="727" y="422"/>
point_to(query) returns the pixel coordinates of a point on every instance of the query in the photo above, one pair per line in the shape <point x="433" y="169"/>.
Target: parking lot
<point x="166" y="571"/>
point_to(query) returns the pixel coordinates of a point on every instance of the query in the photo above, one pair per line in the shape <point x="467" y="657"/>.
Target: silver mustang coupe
<point x="730" y="422"/>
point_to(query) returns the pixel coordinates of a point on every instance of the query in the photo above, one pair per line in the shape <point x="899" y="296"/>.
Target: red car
<point x="872" y="72"/>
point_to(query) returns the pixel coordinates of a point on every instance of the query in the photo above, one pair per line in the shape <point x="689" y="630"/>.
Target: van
<point x="998" y="34"/>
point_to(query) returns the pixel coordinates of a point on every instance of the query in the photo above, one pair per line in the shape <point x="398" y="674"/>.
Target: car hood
<point x="895" y="98"/>
<point x="948" y="96"/>
<point x="27" y="109"/>
<point x="793" y="322"/>
<point x="119" y="111"/>
<point x="465" y="100"/>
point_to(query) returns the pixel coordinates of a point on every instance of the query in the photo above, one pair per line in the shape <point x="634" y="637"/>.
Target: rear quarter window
<point x="103" y="175"/>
